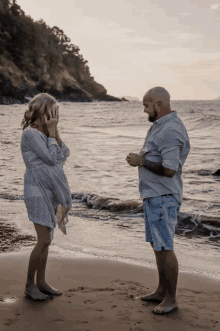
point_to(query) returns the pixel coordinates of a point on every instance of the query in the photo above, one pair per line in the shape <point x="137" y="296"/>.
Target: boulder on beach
<point x="217" y="173"/>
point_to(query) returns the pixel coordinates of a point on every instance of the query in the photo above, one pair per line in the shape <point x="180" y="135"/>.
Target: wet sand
<point x="11" y="239"/>
<point x="101" y="295"/>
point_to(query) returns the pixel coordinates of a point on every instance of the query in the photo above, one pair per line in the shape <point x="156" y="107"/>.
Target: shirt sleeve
<point x="169" y="147"/>
<point x="63" y="154"/>
<point x="47" y="152"/>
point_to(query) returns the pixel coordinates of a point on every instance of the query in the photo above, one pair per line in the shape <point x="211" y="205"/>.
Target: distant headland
<point x="129" y="98"/>
<point x="36" y="58"/>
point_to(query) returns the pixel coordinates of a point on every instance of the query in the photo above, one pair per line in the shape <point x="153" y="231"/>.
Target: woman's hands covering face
<point x="52" y="118"/>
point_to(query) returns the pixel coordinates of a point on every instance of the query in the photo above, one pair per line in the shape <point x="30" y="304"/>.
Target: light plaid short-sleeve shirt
<point x="167" y="141"/>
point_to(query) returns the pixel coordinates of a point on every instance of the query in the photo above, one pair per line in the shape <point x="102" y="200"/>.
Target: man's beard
<point x="153" y="117"/>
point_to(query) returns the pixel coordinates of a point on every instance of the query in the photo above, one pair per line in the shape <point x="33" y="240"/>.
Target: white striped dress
<point x="45" y="184"/>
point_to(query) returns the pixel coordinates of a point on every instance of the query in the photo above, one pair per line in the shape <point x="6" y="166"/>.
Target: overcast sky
<point x="134" y="45"/>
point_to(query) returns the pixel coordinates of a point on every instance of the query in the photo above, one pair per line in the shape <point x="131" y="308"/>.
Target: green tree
<point x="4" y="5"/>
<point x="16" y="9"/>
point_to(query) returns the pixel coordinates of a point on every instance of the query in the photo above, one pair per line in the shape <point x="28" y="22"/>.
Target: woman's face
<point x="40" y="125"/>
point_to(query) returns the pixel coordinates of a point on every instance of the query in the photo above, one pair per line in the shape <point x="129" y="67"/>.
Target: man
<point x="160" y="165"/>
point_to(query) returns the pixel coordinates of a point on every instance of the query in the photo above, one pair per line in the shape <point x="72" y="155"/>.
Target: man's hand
<point x="134" y="159"/>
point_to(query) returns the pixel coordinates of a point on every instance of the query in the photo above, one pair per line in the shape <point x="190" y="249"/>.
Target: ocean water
<point x="107" y="217"/>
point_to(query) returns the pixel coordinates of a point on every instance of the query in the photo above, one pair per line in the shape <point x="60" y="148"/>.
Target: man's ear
<point x="157" y="105"/>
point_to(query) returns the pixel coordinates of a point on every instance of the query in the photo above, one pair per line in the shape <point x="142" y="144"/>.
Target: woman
<point x="46" y="191"/>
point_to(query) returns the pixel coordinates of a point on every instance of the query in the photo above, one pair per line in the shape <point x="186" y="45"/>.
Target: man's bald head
<point x="157" y="94"/>
<point x="156" y="103"/>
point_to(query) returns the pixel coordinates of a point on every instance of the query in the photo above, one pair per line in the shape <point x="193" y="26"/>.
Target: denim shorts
<point x="160" y="215"/>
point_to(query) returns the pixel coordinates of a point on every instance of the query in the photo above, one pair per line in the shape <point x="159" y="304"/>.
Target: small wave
<point x="110" y="204"/>
<point x="189" y="225"/>
<point x="199" y="226"/>
<point x="202" y="172"/>
<point x="11" y="197"/>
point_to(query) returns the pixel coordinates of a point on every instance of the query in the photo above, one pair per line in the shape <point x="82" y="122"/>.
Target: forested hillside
<point x="37" y="58"/>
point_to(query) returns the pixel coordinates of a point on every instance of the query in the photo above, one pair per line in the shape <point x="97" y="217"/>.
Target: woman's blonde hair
<point x="36" y="107"/>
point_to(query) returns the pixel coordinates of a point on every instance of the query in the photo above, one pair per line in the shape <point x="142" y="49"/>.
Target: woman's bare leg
<point x="43" y="234"/>
<point x="41" y="267"/>
<point x="41" y="270"/>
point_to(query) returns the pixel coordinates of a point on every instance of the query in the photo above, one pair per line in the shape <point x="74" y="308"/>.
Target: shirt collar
<point x="166" y="118"/>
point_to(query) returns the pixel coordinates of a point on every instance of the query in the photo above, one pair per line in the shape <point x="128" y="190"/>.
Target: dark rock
<point x="42" y="87"/>
<point x="74" y="94"/>
<point x="35" y="77"/>
<point x="32" y="91"/>
<point x="68" y="93"/>
<point x="107" y="97"/>
<point x="70" y="90"/>
<point x="10" y="94"/>
<point x="124" y="99"/>
<point x="217" y="173"/>
<point x="93" y="88"/>
<point x="20" y="93"/>
<point x="76" y="97"/>
<point x="55" y="93"/>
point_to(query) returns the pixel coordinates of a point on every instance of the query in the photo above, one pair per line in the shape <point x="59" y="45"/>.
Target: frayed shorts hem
<point x="159" y="249"/>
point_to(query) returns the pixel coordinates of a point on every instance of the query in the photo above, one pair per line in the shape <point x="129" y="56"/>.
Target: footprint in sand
<point x="58" y="320"/>
<point x="89" y="301"/>
<point x="10" y="321"/>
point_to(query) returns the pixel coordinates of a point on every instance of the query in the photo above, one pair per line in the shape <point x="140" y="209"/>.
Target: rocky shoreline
<point x="10" y="94"/>
<point x="78" y="96"/>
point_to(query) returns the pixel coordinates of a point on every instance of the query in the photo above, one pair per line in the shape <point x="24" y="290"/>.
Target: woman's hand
<point x="53" y="119"/>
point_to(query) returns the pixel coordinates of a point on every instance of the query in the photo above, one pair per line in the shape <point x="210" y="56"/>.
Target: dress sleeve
<point x="170" y="147"/>
<point x="47" y="152"/>
<point x="63" y="154"/>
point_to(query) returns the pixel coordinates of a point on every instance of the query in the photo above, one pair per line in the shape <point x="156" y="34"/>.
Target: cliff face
<point x="17" y="87"/>
<point x="36" y="58"/>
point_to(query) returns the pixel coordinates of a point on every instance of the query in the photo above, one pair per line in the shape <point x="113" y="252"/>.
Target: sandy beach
<point x="100" y="290"/>
<point x="102" y="295"/>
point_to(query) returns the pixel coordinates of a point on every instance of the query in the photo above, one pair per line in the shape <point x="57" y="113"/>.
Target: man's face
<point x="149" y="108"/>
